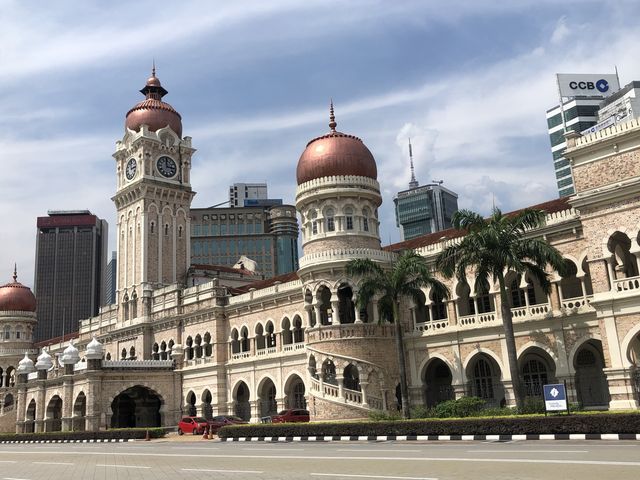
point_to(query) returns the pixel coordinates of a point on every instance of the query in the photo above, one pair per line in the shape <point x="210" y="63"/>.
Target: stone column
<point x="621" y="388"/>
<point x="316" y="307"/>
<point x="376" y="313"/>
<point x="459" y="390"/>
<point x="610" y="272"/>
<point x="335" y="314"/>
<point x="556" y="302"/>
<point x="67" y="403"/>
<point x="452" y="312"/>
<point x="40" y="406"/>
<point x="340" y="380"/>
<point x="94" y="399"/>
<point x="255" y="411"/>
<point x="308" y="309"/>
<point x="363" y="387"/>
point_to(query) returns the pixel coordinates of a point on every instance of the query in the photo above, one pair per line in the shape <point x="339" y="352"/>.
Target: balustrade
<point x="433" y="326"/>
<point x="531" y="311"/>
<point x="626" y="284"/>
<point x="577" y="302"/>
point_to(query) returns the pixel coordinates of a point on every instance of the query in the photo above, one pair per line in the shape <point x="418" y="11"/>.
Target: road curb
<point x="98" y="440"/>
<point x="441" y="438"/>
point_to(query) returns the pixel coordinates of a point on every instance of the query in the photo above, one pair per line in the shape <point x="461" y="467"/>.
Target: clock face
<point x="166" y="166"/>
<point x="131" y="168"/>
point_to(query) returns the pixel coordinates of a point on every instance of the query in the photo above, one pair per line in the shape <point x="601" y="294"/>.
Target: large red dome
<point x="152" y="111"/>
<point x="335" y="154"/>
<point x="16" y="297"/>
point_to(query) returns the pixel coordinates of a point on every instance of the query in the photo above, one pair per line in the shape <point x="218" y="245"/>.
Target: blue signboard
<point x="555" y="397"/>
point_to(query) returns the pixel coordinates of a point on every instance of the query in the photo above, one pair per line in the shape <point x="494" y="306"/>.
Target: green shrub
<point x="496" y="412"/>
<point x="460" y="408"/>
<point x="117" y="434"/>
<point x="381" y="415"/>
<point x="423" y="412"/>
<point x="627" y="423"/>
<point x="532" y="405"/>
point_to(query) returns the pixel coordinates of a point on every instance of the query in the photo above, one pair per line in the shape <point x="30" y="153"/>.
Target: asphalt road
<point x="200" y="459"/>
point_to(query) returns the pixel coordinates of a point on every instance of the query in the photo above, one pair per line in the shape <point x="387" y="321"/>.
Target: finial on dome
<point x="332" y="118"/>
<point x="153" y="68"/>
<point x="15" y="272"/>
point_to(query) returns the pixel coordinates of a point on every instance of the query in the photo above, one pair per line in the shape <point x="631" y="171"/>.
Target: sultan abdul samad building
<point x="164" y="350"/>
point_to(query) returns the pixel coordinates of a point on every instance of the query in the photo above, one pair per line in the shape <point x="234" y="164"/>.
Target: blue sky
<point x="468" y="81"/>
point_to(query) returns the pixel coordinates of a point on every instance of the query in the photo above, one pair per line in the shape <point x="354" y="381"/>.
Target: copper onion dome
<point x="16" y="297"/>
<point x="335" y="153"/>
<point x="152" y="111"/>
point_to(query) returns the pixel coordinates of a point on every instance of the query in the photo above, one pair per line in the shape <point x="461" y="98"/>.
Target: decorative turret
<point x="69" y="358"/>
<point x="43" y="364"/>
<point x="25" y="367"/>
<point x="94" y="354"/>
<point x="338" y="194"/>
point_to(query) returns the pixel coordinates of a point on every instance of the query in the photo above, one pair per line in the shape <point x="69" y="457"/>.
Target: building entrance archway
<point x="137" y="406"/>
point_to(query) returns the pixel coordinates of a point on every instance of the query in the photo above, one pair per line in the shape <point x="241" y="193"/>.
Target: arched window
<point x="314" y="222"/>
<point x="235" y="342"/>
<point x="534" y="374"/>
<point x="330" y="219"/>
<point x="287" y="335"/>
<point x="155" y="352"/>
<point x="483" y="380"/>
<point x="189" y="349"/>
<point x="123" y="354"/>
<point x="152" y="227"/>
<point x="163" y="350"/>
<point x="244" y="339"/>
<point x="132" y="353"/>
<point x="108" y="356"/>
<point x="351" y="378"/>
<point x="198" y="347"/>
<point x="329" y="373"/>
<point x="7" y="332"/>
<point x="166" y="229"/>
<point x="438" y="307"/>
<point x="365" y="219"/>
<point x="270" y="335"/>
<point x="348" y="218"/>
<point x="298" y="331"/>
<point x="180" y="231"/>
<point x="208" y="348"/>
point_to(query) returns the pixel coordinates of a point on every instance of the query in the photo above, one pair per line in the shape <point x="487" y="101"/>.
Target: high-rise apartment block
<point x="240" y="192"/>
<point x="266" y="234"/>
<point x="71" y="252"/>
<point x="423" y="209"/>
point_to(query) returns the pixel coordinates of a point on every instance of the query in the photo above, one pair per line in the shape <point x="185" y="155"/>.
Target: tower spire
<point x="413" y="183"/>
<point x="332" y="117"/>
<point x="153" y="68"/>
<point x="15" y="272"/>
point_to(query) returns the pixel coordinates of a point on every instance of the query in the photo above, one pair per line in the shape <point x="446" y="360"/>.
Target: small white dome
<point x="25" y="365"/>
<point x="95" y="350"/>
<point x="44" y="361"/>
<point x="70" y="356"/>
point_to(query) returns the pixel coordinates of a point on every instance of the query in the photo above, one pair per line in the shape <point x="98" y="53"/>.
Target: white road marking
<point x="193" y="448"/>
<point x="374" y="450"/>
<point x="341" y="475"/>
<point x="218" y="471"/>
<point x="12" y="478"/>
<point x="120" y="466"/>
<point x="52" y="463"/>
<point x="334" y="457"/>
<point x="274" y="449"/>
<point x="506" y="450"/>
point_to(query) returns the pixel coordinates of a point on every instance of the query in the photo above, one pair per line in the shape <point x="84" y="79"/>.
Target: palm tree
<point x="405" y="279"/>
<point x="493" y="247"/>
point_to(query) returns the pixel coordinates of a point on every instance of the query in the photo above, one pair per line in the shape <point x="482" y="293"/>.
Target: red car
<point x="222" y="420"/>
<point x="195" y="425"/>
<point x="292" y="415"/>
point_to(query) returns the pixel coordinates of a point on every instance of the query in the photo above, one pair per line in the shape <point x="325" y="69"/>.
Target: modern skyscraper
<point x="426" y="209"/>
<point x="111" y="280"/>
<point x="580" y="97"/>
<point x="71" y="252"/>
<point x="239" y="192"/>
<point x="265" y="234"/>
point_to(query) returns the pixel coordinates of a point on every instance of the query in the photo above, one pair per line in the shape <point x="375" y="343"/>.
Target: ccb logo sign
<point x="601" y="85"/>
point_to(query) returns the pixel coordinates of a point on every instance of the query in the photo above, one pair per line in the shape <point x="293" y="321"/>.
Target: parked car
<point x="222" y="420"/>
<point x="292" y="415"/>
<point x="195" y="425"/>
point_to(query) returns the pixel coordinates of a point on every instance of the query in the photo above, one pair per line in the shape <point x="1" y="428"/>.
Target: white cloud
<point x="560" y="32"/>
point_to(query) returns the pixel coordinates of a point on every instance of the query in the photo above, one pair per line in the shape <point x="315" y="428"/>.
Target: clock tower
<point x="153" y="201"/>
